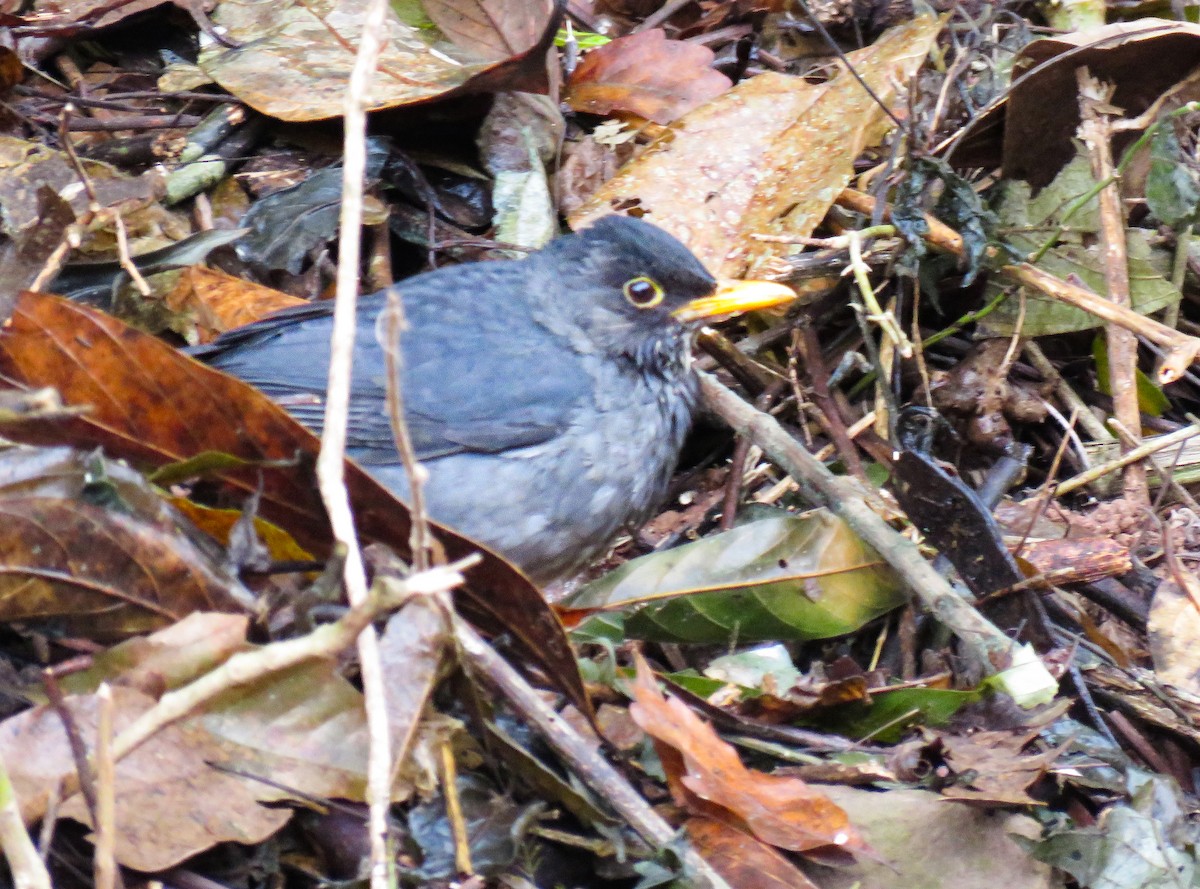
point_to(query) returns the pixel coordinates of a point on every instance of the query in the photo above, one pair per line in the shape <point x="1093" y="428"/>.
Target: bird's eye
<point x="643" y="292"/>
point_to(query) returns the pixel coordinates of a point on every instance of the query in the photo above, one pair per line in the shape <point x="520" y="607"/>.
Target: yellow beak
<point x="733" y="297"/>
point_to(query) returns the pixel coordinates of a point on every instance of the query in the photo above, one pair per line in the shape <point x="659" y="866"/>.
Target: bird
<point x="547" y="397"/>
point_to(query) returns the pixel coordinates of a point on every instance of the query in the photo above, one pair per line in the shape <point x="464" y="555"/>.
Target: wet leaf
<point x="295" y="57"/>
<point x="766" y="157"/>
<point x="152" y="405"/>
<point x="645" y="74"/>
<point x="793" y="577"/>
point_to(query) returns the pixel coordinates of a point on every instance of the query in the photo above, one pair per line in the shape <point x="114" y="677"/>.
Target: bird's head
<point x="634" y="290"/>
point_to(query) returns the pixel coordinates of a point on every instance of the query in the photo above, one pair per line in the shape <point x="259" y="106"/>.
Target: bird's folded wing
<point x="470" y="385"/>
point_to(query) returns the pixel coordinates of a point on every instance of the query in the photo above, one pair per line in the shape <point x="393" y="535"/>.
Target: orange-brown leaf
<point x="742" y="860"/>
<point x="709" y="779"/>
<point x="221" y="302"/>
<point x="647" y="75"/>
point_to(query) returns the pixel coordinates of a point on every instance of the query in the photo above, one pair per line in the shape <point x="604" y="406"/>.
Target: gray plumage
<point x="547" y="407"/>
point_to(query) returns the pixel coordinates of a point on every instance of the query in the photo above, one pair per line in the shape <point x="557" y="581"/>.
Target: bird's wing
<point x="474" y="381"/>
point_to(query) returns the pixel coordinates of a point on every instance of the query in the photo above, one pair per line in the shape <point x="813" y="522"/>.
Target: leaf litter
<point x="736" y="128"/>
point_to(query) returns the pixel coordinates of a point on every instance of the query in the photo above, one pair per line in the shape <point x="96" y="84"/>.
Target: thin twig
<point x="392" y="323"/>
<point x="1139" y="453"/>
<point x="105" y="860"/>
<point x="581" y="756"/>
<point x="27" y="868"/>
<point x="331" y="461"/>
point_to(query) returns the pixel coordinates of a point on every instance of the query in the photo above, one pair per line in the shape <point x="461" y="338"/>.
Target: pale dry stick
<point x="95" y="211"/>
<point x="581" y="756"/>
<point x="1068" y="396"/>
<point x="885" y="318"/>
<point x="985" y="642"/>
<point x="1180" y="349"/>
<point x="1138" y="453"/>
<point x="1095" y="129"/>
<point x="454" y="810"/>
<point x="331" y="460"/>
<point x="787" y="483"/>
<point x="105" y="770"/>
<point x="1165" y="474"/>
<point x="391" y="324"/>
<point x="247" y="667"/>
<point x="26" y="866"/>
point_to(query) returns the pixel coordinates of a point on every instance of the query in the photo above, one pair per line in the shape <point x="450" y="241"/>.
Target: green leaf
<point x="1151" y="399"/>
<point x="890" y="713"/>
<point x="790" y="577"/>
<point x="1172" y="190"/>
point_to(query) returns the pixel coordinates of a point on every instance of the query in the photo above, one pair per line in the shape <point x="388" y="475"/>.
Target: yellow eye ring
<point x="643" y="292"/>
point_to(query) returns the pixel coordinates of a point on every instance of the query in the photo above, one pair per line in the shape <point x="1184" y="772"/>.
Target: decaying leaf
<point x="219" y="302"/>
<point x="92" y="550"/>
<point x="294" y="58"/>
<point x="170" y="802"/>
<point x="645" y="74"/>
<point x="766" y="157"/>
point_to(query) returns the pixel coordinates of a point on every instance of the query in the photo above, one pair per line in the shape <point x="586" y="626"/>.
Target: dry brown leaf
<point x="1174" y="636"/>
<point x="490" y="29"/>
<point x="645" y="74"/>
<point x="742" y="860"/>
<point x="100" y="571"/>
<point x="1040" y="114"/>
<point x="707" y="778"/>
<point x="989" y="767"/>
<point x="221" y="302"/>
<point x="767" y="157"/>
<point x="170" y="803"/>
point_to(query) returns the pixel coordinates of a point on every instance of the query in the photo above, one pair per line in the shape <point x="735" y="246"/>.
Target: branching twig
<point x="247" y="667"/>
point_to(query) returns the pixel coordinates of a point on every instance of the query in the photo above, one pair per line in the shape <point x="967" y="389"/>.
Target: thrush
<point x="548" y="397"/>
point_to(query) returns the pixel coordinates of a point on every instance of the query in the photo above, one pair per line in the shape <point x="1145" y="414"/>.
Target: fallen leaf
<point x="707" y="778"/>
<point x="766" y="157"/>
<point x="92" y="550"/>
<point x="220" y="302"/>
<point x="742" y="860"/>
<point x="294" y="57"/>
<point x="170" y="803"/>
<point x="645" y="74"/>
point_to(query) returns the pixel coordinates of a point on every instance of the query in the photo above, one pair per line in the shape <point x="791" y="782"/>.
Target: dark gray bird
<point x="547" y="397"/>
